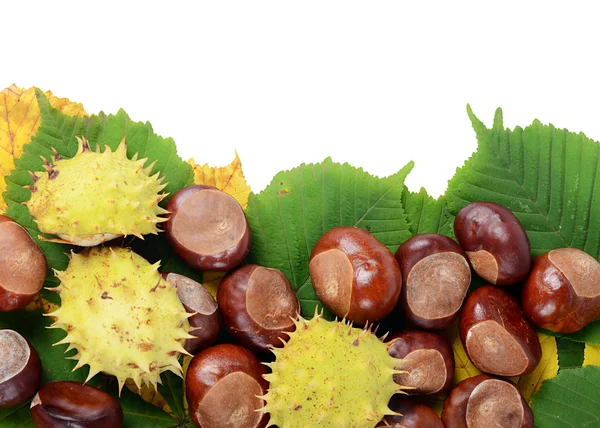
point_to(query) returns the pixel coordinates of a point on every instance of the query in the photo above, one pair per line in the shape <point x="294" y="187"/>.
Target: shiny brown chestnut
<point x="22" y="266"/>
<point x="495" y="334"/>
<point x="207" y="228"/>
<point x="562" y="293"/>
<point x="355" y="275"/>
<point x="495" y="242"/>
<point x="20" y="369"/>
<point x="258" y="306"/>
<point x="436" y="277"/>
<point x="222" y="384"/>
<point x="414" y="415"/>
<point x="71" y="404"/>
<point x="206" y="321"/>
<point x="484" y="401"/>
<point x="428" y="361"/>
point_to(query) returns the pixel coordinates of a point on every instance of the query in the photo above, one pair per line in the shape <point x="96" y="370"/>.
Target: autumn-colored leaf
<point x="19" y="121"/>
<point x="592" y="355"/>
<point x="463" y="367"/>
<point x="212" y="280"/>
<point x="546" y="369"/>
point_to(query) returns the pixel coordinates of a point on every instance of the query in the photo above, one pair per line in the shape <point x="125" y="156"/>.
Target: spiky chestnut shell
<point x="121" y="316"/>
<point x="330" y="374"/>
<point x="94" y="197"/>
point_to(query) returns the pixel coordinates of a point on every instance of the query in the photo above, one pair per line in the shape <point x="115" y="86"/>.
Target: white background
<point x="372" y="83"/>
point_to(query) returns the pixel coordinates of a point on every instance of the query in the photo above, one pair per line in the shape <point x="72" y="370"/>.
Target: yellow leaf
<point x="592" y="355"/>
<point x="211" y="281"/>
<point x="463" y="367"/>
<point x="546" y="369"/>
<point x="229" y="179"/>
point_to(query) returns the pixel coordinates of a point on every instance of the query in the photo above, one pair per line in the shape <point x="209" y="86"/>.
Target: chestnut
<point x="562" y="293"/>
<point x="436" y="277"/>
<point x="355" y="275"/>
<point x="22" y="266"/>
<point x="484" y="401"/>
<point x="428" y="361"/>
<point x="413" y="415"/>
<point x="495" y="242"/>
<point x="495" y="334"/>
<point x="207" y="228"/>
<point x="222" y="386"/>
<point x="206" y="321"/>
<point x="259" y="306"/>
<point x="20" y="369"/>
<point x="72" y="404"/>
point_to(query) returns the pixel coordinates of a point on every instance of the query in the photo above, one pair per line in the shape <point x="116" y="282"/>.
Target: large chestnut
<point x="562" y="293"/>
<point x="413" y="415"/>
<point x="495" y="242"/>
<point x="206" y="321"/>
<point x="222" y="386"/>
<point x="259" y="306"/>
<point x="355" y="275"/>
<point x="207" y="228"/>
<point x="495" y="334"/>
<point x="22" y="266"/>
<point x="484" y="401"/>
<point x="20" y="369"/>
<point x="428" y="361"/>
<point x="436" y="277"/>
<point x="71" y="404"/>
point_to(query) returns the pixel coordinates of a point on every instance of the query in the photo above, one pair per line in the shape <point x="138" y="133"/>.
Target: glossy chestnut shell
<point x="414" y="415"/>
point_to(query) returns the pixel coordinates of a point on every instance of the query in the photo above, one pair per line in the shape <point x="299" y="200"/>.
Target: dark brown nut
<point x="206" y="321"/>
<point x="70" y="404"/>
<point x="414" y="415"/>
<point x="436" y="277"/>
<point x="207" y="228"/>
<point x="484" y="401"/>
<point x="429" y="361"/>
<point x="20" y="369"/>
<point x="22" y="266"/>
<point x="258" y="306"/>
<point x="222" y="385"/>
<point x="496" y="336"/>
<point x="495" y="242"/>
<point x="562" y="293"/>
<point x="355" y="275"/>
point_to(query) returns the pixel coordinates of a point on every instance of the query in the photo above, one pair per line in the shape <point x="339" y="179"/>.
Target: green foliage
<point x="570" y="353"/>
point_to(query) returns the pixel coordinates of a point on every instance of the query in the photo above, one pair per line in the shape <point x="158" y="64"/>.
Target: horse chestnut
<point x="411" y="415"/>
<point x="20" y="369"/>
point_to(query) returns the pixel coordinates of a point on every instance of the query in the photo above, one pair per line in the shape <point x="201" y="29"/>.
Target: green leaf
<point x="588" y="334"/>
<point x="569" y="400"/>
<point x="570" y="353"/>
<point x="300" y="205"/>
<point x="427" y="215"/>
<point x="172" y="391"/>
<point x="16" y="417"/>
<point x="137" y="413"/>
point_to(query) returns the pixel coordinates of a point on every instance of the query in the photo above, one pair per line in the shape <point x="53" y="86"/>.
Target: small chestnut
<point x="72" y="404"/>
<point x="258" y="306"/>
<point x="20" y="369"/>
<point x="495" y="334"/>
<point x="495" y="242"/>
<point x="436" y="277"/>
<point x="428" y="361"/>
<point x="206" y="321"/>
<point x="222" y="386"/>
<point x="484" y="401"/>
<point x="22" y="266"/>
<point x="207" y="228"/>
<point x="562" y="293"/>
<point x="355" y="275"/>
<point x="414" y="415"/>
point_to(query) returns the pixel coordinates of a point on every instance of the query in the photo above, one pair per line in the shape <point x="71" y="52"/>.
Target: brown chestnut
<point x="495" y="334"/>
<point x="206" y="321"/>
<point x="436" y="277"/>
<point x="72" y="404"/>
<point x="562" y="293"/>
<point x="355" y="275"/>
<point x="258" y="306"/>
<point x="22" y="266"/>
<point x="222" y="386"/>
<point x="414" y="415"/>
<point x="484" y="401"/>
<point x="207" y="228"/>
<point x="428" y="361"/>
<point x="20" y="369"/>
<point x="495" y="242"/>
